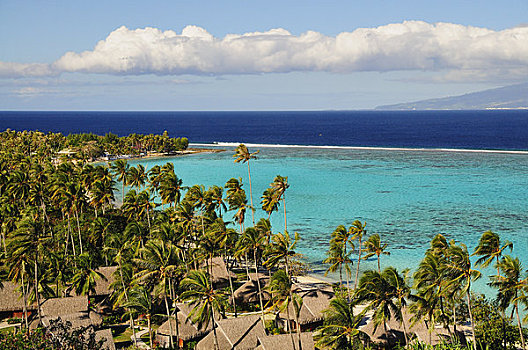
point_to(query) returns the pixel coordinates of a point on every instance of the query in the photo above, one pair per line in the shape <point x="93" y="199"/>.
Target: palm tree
<point x="243" y="155"/>
<point x="511" y="288"/>
<point x="280" y="185"/>
<point x="269" y="201"/>
<point x="337" y="258"/>
<point x="170" y="188"/>
<point x="490" y="248"/>
<point x="85" y="279"/>
<point x="206" y="300"/>
<point x="136" y="176"/>
<point x="120" y="168"/>
<point x="341" y="238"/>
<point x="462" y="273"/>
<point x="358" y="231"/>
<point x="140" y="302"/>
<point x="280" y="287"/>
<point x="341" y="327"/>
<point x="373" y="247"/>
<point x="159" y="265"/>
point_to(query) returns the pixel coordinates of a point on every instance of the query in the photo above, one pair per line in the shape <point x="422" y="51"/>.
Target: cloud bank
<point x="463" y="51"/>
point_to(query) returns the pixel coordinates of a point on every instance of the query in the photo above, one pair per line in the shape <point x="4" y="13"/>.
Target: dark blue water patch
<point x="497" y="129"/>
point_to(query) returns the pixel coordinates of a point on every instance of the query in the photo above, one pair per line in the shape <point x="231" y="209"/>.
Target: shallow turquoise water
<point x="405" y="196"/>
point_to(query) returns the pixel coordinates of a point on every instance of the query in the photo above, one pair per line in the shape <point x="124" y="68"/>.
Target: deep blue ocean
<point x="494" y="129"/>
<point x="404" y="194"/>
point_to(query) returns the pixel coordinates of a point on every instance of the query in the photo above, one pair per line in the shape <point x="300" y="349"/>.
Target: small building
<point x="103" y="285"/>
<point x="284" y="342"/>
<point x="241" y="333"/>
<point x="248" y="292"/>
<point x="12" y="302"/>
<point x="188" y="331"/>
<point x="106" y="336"/>
<point x="316" y="298"/>
<point x="220" y="274"/>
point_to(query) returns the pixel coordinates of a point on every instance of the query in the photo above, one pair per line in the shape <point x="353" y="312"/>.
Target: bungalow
<point x="284" y="342"/>
<point x="12" y="302"/>
<point x="248" y="292"/>
<point x="316" y="298"/>
<point x="240" y="333"/>
<point x="220" y="274"/>
<point x="188" y="331"/>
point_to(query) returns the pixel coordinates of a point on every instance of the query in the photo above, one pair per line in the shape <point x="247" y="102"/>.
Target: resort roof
<point x="187" y="329"/>
<point x="284" y="342"/>
<point x="102" y="286"/>
<point x="240" y="333"/>
<point x="316" y="298"/>
<point x="64" y="306"/>
<point x="11" y="298"/>
<point x="219" y="270"/>
<point x="248" y="292"/>
<point x="105" y="334"/>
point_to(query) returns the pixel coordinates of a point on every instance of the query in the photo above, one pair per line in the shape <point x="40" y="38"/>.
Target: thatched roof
<point x="219" y="270"/>
<point x="315" y="298"/>
<point x="187" y="329"/>
<point x="248" y="292"/>
<point x="64" y="306"/>
<point x="105" y="334"/>
<point x="240" y="333"/>
<point x="283" y="342"/>
<point x="395" y="331"/>
<point x="11" y="298"/>
<point x="77" y="320"/>
<point x="102" y="286"/>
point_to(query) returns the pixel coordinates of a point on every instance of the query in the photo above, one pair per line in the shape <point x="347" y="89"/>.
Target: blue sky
<point x="318" y="58"/>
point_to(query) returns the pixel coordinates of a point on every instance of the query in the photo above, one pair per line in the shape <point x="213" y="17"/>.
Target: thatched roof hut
<point x="220" y="274"/>
<point x="105" y="334"/>
<point x="283" y="342"/>
<point x="11" y="299"/>
<point x="316" y="299"/>
<point x="248" y="292"/>
<point x="102" y="285"/>
<point x="64" y="306"/>
<point x="240" y="333"/>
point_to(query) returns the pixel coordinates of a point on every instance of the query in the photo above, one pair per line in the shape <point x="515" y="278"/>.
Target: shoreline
<point x="366" y="148"/>
<point x="155" y="155"/>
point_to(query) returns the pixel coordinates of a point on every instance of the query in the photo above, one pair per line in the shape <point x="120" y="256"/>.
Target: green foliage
<point x="491" y="328"/>
<point x="14" y="320"/>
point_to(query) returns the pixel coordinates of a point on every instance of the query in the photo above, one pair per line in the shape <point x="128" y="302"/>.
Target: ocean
<point x="403" y="173"/>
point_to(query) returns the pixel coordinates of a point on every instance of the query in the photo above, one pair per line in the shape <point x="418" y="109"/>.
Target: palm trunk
<point x="251" y="196"/>
<point x="171" y="341"/>
<point x="298" y="331"/>
<point x="149" y="330"/>
<point x="79" y="229"/>
<point x="471" y="318"/>
<point x="126" y="298"/>
<point x="230" y="284"/>
<point x="25" y="300"/>
<point x="359" y="260"/>
<point x="516" y="306"/>
<point x="289" y="324"/>
<point x="37" y="292"/>
<point x="405" y="330"/>
<point x="258" y="285"/>
<point x="379" y="266"/>
<point x="291" y="300"/>
<point x="214" y="329"/>
<point x="285" y="221"/>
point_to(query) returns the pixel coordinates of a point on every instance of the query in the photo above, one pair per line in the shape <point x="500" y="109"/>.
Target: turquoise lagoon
<point x="406" y="196"/>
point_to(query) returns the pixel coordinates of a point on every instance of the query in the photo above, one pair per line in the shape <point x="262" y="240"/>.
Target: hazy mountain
<point x="513" y="96"/>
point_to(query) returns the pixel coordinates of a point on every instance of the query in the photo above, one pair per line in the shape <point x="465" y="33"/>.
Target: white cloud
<point x="411" y="45"/>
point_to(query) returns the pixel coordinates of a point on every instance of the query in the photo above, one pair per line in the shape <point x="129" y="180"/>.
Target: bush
<point x="14" y="320"/>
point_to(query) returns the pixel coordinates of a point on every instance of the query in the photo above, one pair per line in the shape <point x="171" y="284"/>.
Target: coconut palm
<point x="511" y="287"/>
<point x="85" y="278"/>
<point x="337" y="258"/>
<point x="341" y="327"/>
<point x="136" y="176"/>
<point x="120" y="168"/>
<point x="462" y="273"/>
<point x="159" y="264"/>
<point x="280" y="185"/>
<point x="170" y="188"/>
<point x="199" y="290"/>
<point x="358" y="231"/>
<point x="140" y="303"/>
<point x="243" y="155"/>
<point x="280" y="286"/>
<point x="490" y="248"/>
<point x="341" y="239"/>
<point x="373" y="247"/>
<point x="269" y="201"/>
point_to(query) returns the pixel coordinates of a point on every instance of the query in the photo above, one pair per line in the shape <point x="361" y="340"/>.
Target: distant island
<point x="508" y="97"/>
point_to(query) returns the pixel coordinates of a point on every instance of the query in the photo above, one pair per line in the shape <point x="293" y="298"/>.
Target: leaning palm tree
<point x="243" y="155"/>
<point x="490" y="248"/>
<point x="199" y="290"/>
<point x="511" y="287"/>
<point x="159" y="264"/>
<point x="120" y="169"/>
<point x="337" y="258"/>
<point x="341" y="327"/>
<point x="280" y="185"/>
<point x="140" y="303"/>
<point x="373" y="247"/>
<point x="462" y="273"/>
<point x="358" y="231"/>
<point x="341" y="239"/>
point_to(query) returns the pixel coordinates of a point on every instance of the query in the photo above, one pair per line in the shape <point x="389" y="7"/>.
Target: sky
<point x="254" y="55"/>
